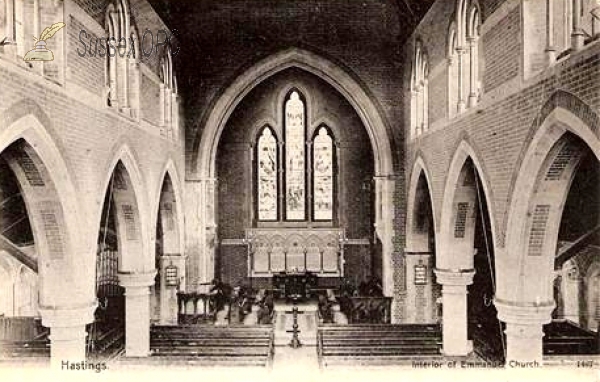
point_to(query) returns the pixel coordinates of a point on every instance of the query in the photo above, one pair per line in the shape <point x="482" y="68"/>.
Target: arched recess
<point x="124" y="180"/>
<point x="456" y="173"/>
<point x="53" y="209"/>
<point x="527" y="198"/>
<point x="169" y="258"/>
<point x="126" y="195"/>
<point x="550" y="163"/>
<point x="204" y="151"/>
<point x="465" y="259"/>
<point x="422" y="302"/>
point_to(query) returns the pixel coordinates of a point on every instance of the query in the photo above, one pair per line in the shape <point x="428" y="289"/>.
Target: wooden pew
<point x="216" y="346"/>
<point x="377" y="344"/>
<point x="563" y="337"/>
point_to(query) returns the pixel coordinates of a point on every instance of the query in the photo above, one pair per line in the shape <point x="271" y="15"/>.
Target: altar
<point x="294" y="284"/>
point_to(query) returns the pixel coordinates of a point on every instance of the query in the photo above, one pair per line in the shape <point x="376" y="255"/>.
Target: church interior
<point x="361" y="183"/>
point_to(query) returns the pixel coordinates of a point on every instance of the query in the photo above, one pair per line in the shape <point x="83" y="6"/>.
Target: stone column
<point x="67" y="332"/>
<point x="175" y="117"/>
<point x="524" y="333"/>
<point x="418" y="113"/>
<point x="137" y="312"/>
<point x="462" y="105"/>
<point x="384" y="228"/>
<point x="577" y="35"/>
<point x="550" y="48"/>
<point x="473" y="78"/>
<point x="454" y="310"/>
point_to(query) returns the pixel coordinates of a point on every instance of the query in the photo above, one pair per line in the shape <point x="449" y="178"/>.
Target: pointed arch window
<point x="420" y="92"/>
<point x="323" y="162"/>
<point x="295" y="175"/>
<point x="267" y="175"/>
<point x="295" y="182"/>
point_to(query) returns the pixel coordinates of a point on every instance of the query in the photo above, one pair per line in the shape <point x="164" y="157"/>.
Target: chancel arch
<point x="204" y="166"/>
<point x="334" y="163"/>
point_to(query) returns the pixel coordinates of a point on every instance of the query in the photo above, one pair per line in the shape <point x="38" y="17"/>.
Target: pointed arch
<point x="267" y="179"/>
<point x="463" y="153"/>
<point x="205" y="146"/>
<point x="419" y="170"/>
<point x="124" y="178"/>
<point x="170" y="171"/>
<point x="55" y="213"/>
<point x="559" y="128"/>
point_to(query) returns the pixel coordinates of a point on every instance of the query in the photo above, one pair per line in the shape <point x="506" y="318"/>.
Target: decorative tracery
<point x="267" y="175"/>
<point x="295" y="183"/>
<point x="323" y="175"/>
<point x="306" y="172"/>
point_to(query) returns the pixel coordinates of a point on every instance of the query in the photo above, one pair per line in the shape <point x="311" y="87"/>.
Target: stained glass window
<point x="267" y="176"/>
<point x="295" y="183"/>
<point x="323" y="175"/>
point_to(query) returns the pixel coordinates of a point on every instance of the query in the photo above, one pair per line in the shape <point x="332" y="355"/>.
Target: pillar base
<point x="524" y="331"/>
<point x="67" y="332"/>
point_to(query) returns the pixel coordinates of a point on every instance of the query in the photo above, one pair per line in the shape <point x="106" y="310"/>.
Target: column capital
<point x="454" y="277"/>
<point x="137" y="280"/>
<point x="524" y="313"/>
<point x="66" y="317"/>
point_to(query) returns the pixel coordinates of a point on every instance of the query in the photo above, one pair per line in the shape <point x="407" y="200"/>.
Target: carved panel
<point x="273" y="250"/>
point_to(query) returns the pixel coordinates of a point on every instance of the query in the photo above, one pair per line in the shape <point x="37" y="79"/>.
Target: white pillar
<point x="454" y="310"/>
<point x="524" y="333"/>
<point x="473" y="77"/>
<point x="67" y="332"/>
<point x="137" y="312"/>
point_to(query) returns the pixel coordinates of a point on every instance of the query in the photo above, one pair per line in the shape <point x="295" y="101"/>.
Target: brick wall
<point x="502" y="47"/>
<point x="149" y="99"/>
<point x="500" y="127"/>
<point x="87" y="71"/>
<point x="87" y="134"/>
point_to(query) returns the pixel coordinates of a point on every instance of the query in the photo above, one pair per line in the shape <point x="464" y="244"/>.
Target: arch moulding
<point x="200" y="188"/>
